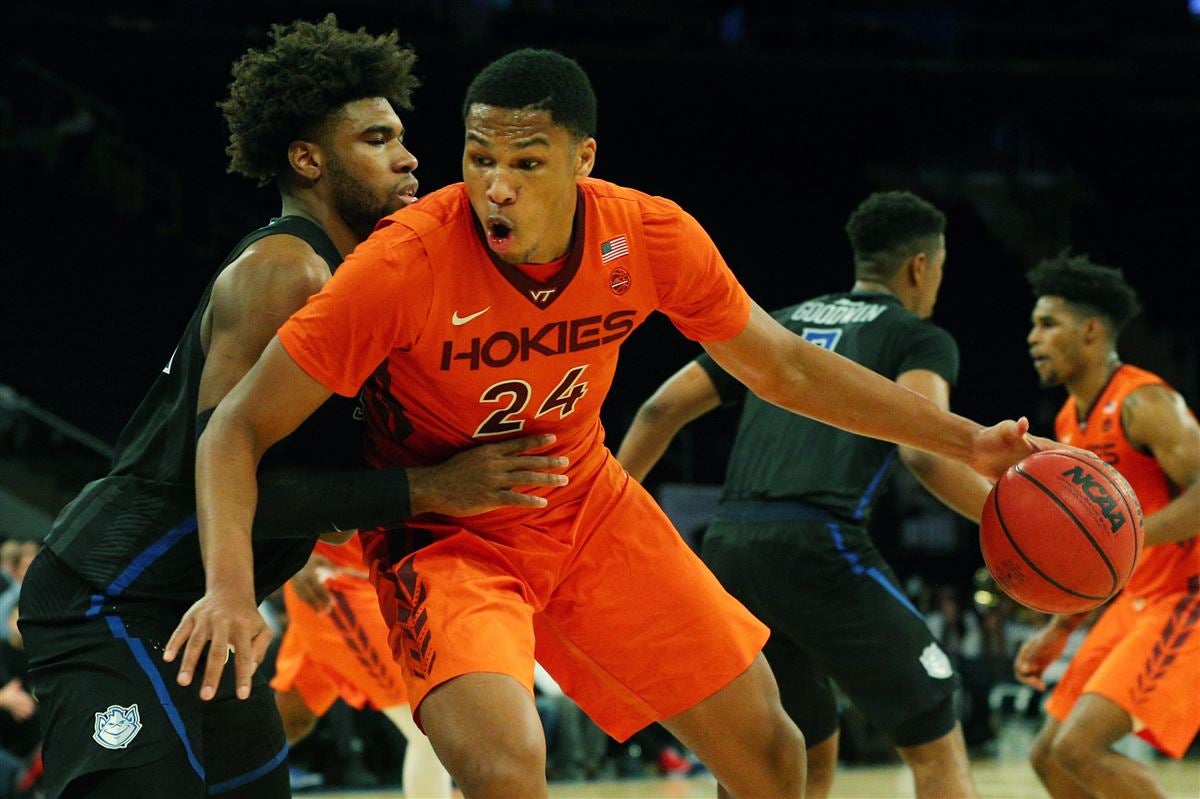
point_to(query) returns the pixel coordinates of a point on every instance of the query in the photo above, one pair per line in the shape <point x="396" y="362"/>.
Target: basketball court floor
<point x="996" y="779"/>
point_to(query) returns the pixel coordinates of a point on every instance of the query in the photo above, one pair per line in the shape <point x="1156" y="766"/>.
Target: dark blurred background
<point x="1035" y="126"/>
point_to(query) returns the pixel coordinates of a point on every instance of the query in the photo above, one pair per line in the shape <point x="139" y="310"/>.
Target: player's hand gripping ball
<point x="1061" y="532"/>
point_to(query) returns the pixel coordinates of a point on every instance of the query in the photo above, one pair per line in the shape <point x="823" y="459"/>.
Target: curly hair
<point x="890" y="227"/>
<point x="290" y="89"/>
<point x="1096" y="290"/>
<point x="542" y="79"/>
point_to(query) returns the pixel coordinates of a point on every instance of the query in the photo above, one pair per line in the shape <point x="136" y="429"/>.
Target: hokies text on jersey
<point x="504" y="347"/>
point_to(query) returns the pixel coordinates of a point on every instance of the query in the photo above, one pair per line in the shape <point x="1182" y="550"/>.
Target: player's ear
<point x="918" y="268"/>
<point x="305" y="159"/>
<point x="585" y="157"/>
<point x="1094" y="329"/>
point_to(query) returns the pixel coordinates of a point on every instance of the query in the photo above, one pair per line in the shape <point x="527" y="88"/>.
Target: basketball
<point x="1061" y="532"/>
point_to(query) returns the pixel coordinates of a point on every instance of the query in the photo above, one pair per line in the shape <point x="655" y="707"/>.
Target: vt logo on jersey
<point x="555" y="338"/>
<point x="117" y="726"/>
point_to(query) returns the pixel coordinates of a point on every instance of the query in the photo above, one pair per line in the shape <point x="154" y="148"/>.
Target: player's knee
<point x="1041" y="755"/>
<point x="1071" y="752"/>
<point x="497" y="766"/>
<point x="297" y="728"/>
<point x="785" y="754"/>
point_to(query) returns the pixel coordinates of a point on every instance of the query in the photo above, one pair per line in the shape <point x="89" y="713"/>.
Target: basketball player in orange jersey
<point x="497" y="307"/>
<point x="335" y="646"/>
<point x="1138" y="670"/>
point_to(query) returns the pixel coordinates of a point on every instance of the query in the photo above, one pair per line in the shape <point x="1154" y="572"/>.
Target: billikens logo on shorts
<point x="117" y="726"/>
<point x="1098" y="495"/>
<point x="555" y="338"/>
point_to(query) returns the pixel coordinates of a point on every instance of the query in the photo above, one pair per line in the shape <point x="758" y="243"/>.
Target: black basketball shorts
<point x="116" y="723"/>
<point x="836" y="612"/>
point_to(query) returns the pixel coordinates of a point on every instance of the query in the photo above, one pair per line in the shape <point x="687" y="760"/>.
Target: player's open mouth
<point x="408" y="195"/>
<point x="499" y="236"/>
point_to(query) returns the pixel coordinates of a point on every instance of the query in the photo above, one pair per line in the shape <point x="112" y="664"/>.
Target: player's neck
<point x="320" y="214"/>
<point x="1087" y="387"/>
<point x="873" y="286"/>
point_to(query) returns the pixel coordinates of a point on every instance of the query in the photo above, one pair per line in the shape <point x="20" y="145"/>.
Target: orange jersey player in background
<point x="335" y="647"/>
<point x="1138" y="670"/>
<point x="497" y="308"/>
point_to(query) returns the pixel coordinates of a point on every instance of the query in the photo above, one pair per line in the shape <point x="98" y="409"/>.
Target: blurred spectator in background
<point x="15" y="557"/>
<point x="958" y="629"/>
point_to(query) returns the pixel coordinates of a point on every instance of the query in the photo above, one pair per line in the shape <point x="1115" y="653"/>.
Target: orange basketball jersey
<point x="474" y="351"/>
<point x="343" y="556"/>
<point x="1162" y="568"/>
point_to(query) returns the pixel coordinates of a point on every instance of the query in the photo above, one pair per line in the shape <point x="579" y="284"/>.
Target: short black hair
<point x="289" y="90"/>
<point x="543" y="79"/>
<point x="888" y="228"/>
<point x="1093" y="289"/>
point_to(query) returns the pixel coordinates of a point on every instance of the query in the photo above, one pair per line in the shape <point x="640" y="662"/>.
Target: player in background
<point x="335" y="646"/>
<point x="790" y="537"/>
<point x="122" y="562"/>
<point x="499" y="305"/>
<point x="1138" y="669"/>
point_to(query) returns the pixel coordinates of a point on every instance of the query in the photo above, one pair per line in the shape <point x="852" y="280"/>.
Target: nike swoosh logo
<point x="462" y="320"/>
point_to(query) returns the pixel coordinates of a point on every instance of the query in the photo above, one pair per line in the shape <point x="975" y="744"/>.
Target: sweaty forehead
<point x="495" y="124"/>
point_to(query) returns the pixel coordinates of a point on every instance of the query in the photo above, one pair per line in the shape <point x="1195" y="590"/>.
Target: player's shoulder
<point x="445" y="208"/>
<point x="1129" y="379"/>
<point x="601" y="191"/>
<point x="281" y="258"/>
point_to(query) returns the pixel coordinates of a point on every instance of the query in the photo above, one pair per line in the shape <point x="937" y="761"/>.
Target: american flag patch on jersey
<point x="613" y="249"/>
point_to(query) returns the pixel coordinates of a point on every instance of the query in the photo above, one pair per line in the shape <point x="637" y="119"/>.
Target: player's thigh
<point x="838" y="600"/>
<point x="804" y="689"/>
<point x="245" y="747"/>
<point x="457" y="606"/>
<point x="1153" y="671"/>
<point x="107" y="701"/>
<point x="638" y="628"/>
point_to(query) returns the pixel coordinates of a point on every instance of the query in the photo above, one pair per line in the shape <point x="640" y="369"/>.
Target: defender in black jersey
<point x="790" y="539"/>
<point x="123" y="562"/>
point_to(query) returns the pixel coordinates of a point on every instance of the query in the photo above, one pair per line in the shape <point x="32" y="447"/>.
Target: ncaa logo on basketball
<point x="117" y="726"/>
<point x="618" y="281"/>
<point x="1098" y="495"/>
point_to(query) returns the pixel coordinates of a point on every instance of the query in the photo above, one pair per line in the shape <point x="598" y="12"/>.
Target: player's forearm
<point x="1178" y="520"/>
<point x="645" y="443"/>
<point x="226" y="494"/>
<point x="840" y="392"/>
<point x="953" y="483"/>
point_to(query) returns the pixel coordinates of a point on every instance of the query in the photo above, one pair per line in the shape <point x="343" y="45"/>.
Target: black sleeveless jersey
<point x="778" y="455"/>
<point x="133" y="532"/>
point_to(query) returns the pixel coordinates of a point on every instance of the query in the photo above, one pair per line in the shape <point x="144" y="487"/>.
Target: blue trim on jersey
<point x="94" y="608"/>
<point x="869" y="494"/>
<point x="151" y="554"/>
<point x="117" y="627"/>
<point x="250" y="776"/>
<point x="870" y="571"/>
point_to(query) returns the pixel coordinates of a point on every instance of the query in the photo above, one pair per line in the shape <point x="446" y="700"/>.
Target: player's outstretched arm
<point x="952" y="482"/>
<point x="782" y="368"/>
<point x="686" y="395"/>
<point x="1156" y="418"/>
<point x="271" y="401"/>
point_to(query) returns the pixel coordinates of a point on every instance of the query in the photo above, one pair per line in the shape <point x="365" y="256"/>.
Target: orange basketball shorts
<point x="602" y="591"/>
<point x="340" y="654"/>
<point x="1143" y="655"/>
